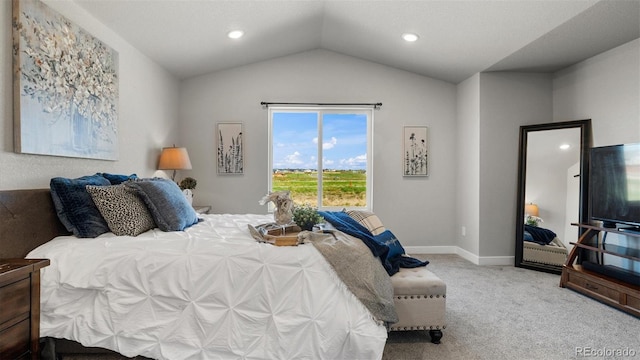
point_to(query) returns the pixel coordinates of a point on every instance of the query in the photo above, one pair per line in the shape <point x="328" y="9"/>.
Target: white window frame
<point x="321" y="110"/>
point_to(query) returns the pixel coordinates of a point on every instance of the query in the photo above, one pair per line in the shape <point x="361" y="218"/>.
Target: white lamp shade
<point x="174" y="158"/>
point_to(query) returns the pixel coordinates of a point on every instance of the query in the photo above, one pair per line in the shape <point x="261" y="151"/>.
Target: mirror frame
<point x="585" y="145"/>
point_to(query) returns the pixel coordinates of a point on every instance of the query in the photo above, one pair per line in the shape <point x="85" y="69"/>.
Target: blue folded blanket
<point x="538" y="235"/>
<point x="384" y="246"/>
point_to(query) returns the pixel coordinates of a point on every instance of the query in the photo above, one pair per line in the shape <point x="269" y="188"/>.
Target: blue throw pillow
<point x="389" y="240"/>
<point x="527" y="236"/>
<point x="117" y="179"/>
<point x="166" y="202"/>
<point x="75" y="207"/>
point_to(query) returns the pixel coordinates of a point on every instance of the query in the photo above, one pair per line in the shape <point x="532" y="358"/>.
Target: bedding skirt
<point x="210" y="292"/>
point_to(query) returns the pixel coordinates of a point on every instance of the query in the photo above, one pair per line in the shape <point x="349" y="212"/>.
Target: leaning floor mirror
<point x="553" y="170"/>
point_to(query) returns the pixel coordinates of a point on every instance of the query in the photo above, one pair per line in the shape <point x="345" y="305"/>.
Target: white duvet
<point x="210" y="292"/>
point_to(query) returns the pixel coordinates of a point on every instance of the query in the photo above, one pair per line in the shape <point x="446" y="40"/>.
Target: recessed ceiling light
<point x="235" y="34"/>
<point x="565" y="146"/>
<point x="409" y="37"/>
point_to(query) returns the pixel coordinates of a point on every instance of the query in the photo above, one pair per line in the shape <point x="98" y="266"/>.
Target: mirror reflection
<point x="551" y="195"/>
<point x="551" y="184"/>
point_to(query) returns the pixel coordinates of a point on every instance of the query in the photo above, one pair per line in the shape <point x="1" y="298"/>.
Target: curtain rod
<point x="374" y="105"/>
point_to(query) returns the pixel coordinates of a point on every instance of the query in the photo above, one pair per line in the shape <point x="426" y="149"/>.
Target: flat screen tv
<point x="614" y="185"/>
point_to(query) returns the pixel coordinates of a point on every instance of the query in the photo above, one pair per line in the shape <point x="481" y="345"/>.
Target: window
<point x="322" y="155"/>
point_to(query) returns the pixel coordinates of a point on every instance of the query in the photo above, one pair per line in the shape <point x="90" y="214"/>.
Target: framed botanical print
<point x="230" y="148"/>
<point x="415" y="151"/>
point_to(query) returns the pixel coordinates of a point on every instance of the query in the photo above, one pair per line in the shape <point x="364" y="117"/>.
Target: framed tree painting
<point x="230" y="149"/>
<point x="65" y="86"/>
<point x="415" y="154"/>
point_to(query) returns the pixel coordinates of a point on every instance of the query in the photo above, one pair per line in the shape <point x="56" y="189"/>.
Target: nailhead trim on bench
<point x="400" y="297"/>
<point x="420" y="328"/>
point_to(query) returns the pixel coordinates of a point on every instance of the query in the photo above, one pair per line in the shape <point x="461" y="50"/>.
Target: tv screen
<point x="614" y="184"/>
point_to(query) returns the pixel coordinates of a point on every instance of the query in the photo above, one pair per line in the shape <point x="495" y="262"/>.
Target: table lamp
<point x="174" y="158"/>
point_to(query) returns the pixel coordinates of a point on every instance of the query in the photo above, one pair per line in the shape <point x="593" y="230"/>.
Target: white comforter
<point x="210" y="292"/>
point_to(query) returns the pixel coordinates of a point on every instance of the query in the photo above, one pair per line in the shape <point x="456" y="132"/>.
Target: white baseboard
<point x="473" y="258"/>
<point x="467" y="255"/>
<point x="497" y="260"/>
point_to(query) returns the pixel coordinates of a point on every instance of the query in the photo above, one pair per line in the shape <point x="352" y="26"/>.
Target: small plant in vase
<point x="306" y="216"/>
<point x="187" y="185"/>
<point x="532" y="220"/>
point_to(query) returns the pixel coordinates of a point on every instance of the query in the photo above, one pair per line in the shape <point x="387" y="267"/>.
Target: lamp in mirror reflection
<point x="531" y="214"/>
<point x="174" y="158"/>
<point x="531" y="209"/>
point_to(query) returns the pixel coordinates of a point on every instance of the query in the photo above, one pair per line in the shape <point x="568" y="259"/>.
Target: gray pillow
<point x="122" y="208"/>
<point x="166" y="202"/>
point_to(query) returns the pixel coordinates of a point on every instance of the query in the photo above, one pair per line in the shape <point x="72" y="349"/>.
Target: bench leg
<point x="436" y="335"/>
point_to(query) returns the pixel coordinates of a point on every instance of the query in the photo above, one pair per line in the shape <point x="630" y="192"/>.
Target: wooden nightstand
<point x="20" y="308"/>
<point x="202" y="209"/>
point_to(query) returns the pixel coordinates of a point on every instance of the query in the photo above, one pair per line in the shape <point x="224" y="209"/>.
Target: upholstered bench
<point x="420" y="300"/>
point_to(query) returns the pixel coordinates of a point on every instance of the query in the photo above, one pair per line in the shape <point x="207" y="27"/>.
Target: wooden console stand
<point x="614" y="292"/>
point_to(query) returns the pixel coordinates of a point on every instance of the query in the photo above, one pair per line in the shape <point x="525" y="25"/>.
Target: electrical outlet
<point x="464" y="231"/>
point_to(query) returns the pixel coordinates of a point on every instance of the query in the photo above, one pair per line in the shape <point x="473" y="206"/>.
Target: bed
<point x="542" y="246"/>
<point x="210" y="291"/>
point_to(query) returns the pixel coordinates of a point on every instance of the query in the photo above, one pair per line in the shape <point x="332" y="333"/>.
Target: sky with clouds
<point x="295" y="141"/>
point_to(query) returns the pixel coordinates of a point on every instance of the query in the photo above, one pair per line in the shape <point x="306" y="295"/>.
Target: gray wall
<point x="468" y="167"/>
<point x="507" y="101"/>
<point x="148" y="109"/>
<point x="419" y="210"/>
<point x="606" y="89"/>
<point x="491" y="109"/>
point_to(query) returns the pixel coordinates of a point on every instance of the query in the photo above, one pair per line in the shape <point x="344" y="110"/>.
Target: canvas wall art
<point x="65" y="86"/>
<point x="230" y="155"/>
<point x="415" y="151"/>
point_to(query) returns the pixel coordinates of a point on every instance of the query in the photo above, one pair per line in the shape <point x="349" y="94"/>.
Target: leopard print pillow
<point x="124" y="212"/>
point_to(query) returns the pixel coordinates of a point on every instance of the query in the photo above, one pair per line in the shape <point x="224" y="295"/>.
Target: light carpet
<point x="504" y="312"/>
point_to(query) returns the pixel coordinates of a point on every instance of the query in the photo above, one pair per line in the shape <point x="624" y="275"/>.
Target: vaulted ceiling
<point x="456" y="38"/>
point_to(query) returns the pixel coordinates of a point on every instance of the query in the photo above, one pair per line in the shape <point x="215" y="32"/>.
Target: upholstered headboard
<point x="27" y="219"/>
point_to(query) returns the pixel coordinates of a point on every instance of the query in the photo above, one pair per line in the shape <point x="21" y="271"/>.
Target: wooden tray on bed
<point x="286" y="240"/>
<point x="276" y="235"/>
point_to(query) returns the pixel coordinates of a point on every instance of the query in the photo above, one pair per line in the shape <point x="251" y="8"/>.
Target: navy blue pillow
<point x="117" y="179"/>
<point x="540" y="235"/>
<point x="389" y="240"/>
<point x="75" y="207"/>
<point x="166" y="203"/>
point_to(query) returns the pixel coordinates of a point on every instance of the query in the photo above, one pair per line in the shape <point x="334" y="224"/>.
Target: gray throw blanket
<point x="362" y="273"/>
